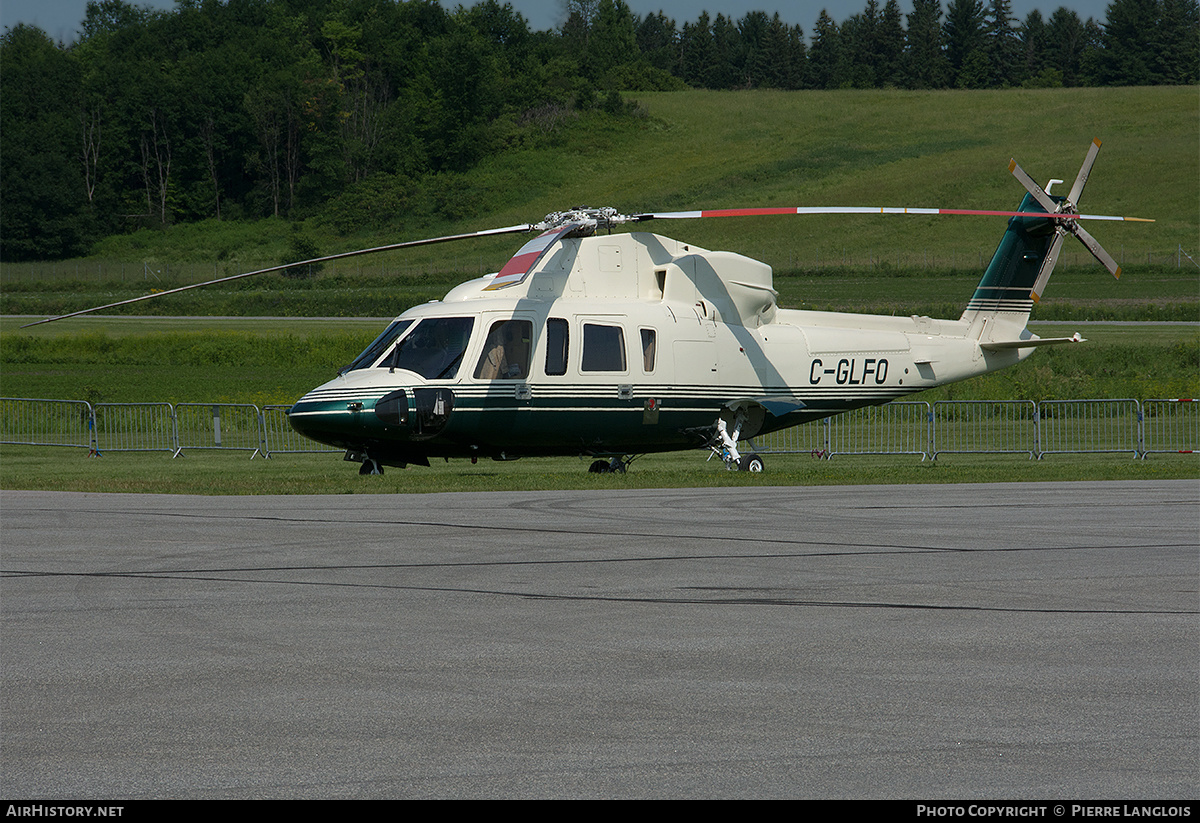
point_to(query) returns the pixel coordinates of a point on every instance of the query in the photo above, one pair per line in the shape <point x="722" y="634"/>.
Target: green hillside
<point x="947" y="149"/>
<point x="950" y="149"/>
<point x="707" y="149"/>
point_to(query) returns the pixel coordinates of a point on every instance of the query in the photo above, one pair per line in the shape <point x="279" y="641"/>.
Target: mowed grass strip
<point x="234" y="473"/>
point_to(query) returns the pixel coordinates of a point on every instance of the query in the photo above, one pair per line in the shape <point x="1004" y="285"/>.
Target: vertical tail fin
<point x="1006" y="292"/>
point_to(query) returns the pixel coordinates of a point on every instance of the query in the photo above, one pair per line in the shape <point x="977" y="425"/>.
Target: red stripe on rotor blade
<point x="518" y="267"/>
<point x="880" y="210"/>
<point x="528" y="254"/>
<point x="520" y="263"/>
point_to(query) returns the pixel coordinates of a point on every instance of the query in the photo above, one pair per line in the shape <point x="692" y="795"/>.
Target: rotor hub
<point x="587" y="218"/>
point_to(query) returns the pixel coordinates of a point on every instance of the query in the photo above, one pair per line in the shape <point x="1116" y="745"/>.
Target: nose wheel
<point x="370" y="466"/>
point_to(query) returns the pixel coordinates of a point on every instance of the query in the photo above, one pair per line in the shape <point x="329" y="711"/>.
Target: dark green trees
<point x="1147" y="42"/>
<point x="43" y="209"/>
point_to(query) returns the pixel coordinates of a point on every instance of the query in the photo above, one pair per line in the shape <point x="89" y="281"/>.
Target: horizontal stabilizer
<point x="1001" y="345"/>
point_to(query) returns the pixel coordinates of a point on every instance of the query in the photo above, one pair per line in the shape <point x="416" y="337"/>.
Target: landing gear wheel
<point x="617" y="465"/>
<point x="750" y="463"/>
<point x="370" y="466"/>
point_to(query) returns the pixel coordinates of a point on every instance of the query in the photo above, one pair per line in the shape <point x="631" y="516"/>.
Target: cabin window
<point x="557" y="340"/>
<point x="603" y="348"/>
<point x="506" y="352"/>
<point x="434" y="349"/>
<point x="648" y="350"/>
<point x="378" y="346"/>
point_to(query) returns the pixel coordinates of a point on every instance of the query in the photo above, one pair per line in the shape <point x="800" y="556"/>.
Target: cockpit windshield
<point x="378" y="346"/>
<point x="434" y="349"/>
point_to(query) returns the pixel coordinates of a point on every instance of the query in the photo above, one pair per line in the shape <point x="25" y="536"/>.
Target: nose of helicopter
<point x="348" y="416"/>
<point x="329" y="414"/>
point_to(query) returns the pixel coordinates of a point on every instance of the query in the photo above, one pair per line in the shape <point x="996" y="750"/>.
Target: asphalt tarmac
<point x="1015" y="641"/>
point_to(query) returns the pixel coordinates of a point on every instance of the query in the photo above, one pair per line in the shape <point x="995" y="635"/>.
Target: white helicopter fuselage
<point x="630" y="343"/>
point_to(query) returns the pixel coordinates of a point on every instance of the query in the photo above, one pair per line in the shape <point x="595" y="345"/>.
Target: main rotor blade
<point x="1032" y="187"/>
<point x="520" y="264"/>
<point x="692" y="215"/>
<point x="406" y="245"/>
<point x="1085" y="171"/>
<point x="1107" y="217"/>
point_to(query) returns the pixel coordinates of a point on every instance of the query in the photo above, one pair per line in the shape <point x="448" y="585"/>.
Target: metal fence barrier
<point x="909" y="427"/>
<point x="227" y="426"/>
<point x="894" y="428"/>
<point x="1088" y="426"/>
<point x="811" y="438"/>
<point x="141" y="427"/>
<point x="32" y="422"/>
<point x="1170" y="425"/>
<point x="984" y="427"/>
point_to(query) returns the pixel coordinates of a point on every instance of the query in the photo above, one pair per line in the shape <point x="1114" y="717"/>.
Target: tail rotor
<point x="1067" y="211"/>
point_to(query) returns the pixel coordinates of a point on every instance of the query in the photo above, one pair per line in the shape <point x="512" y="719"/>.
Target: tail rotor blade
<point x="1096" y="249"/>
<point x="1085" y="171"/>
<point x="1032" y="187"/>
<point x="1048" y="264"/>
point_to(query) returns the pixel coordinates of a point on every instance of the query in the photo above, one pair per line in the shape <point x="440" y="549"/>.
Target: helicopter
<point x="614" y="345"/>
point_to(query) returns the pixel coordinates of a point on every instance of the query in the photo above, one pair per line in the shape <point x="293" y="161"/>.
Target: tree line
<point x="350" y="108"/>
<point x="969" y="44"/>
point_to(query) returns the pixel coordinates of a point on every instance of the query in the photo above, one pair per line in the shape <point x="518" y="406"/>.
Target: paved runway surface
<point x="984" y="641"/>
